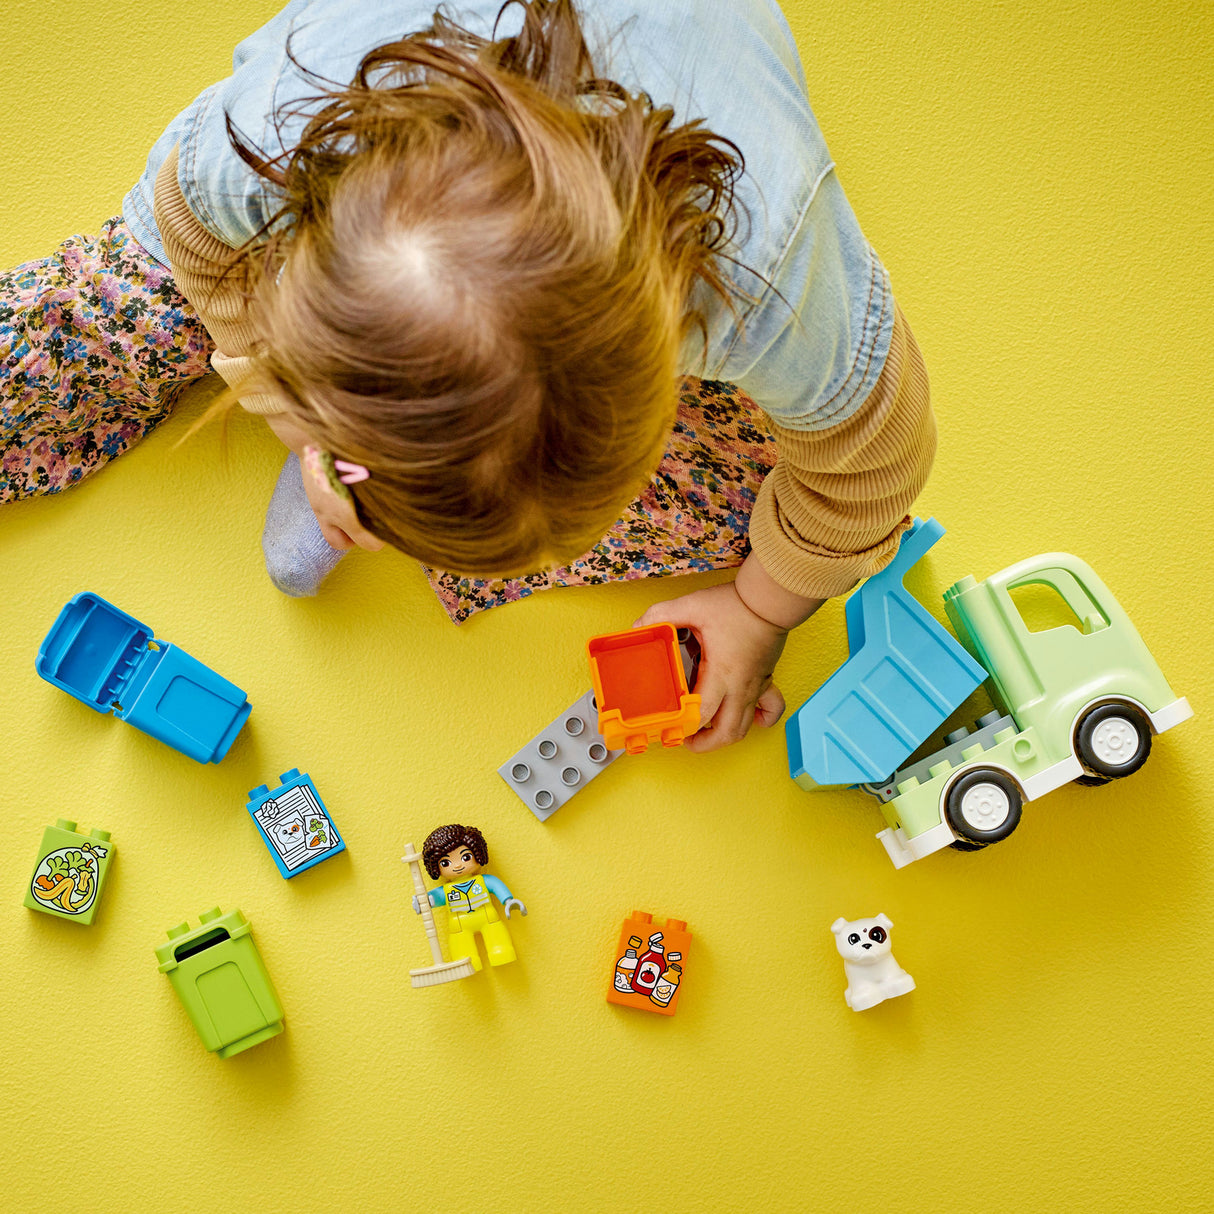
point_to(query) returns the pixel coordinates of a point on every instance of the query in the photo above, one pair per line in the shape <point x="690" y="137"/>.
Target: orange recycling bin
<point x="641" y="690"/>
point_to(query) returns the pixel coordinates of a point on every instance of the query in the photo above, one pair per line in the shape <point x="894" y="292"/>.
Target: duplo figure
<point x="457" y="856"/>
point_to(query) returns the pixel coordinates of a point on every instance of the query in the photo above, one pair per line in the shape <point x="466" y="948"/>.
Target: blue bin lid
<point x="92" y="650"/>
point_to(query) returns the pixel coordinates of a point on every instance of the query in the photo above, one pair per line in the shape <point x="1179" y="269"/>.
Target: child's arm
<point x="833" y="509"/>
<point x="831" y="512"/>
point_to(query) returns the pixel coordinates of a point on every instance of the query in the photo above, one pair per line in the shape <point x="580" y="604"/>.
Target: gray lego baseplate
<point x="956" y="741"/>
<point x="560" y="760"/>
<point x="564" y="757"/>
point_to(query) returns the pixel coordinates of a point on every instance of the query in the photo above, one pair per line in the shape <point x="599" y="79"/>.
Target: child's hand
<point x="742" y="626"/>
<point x="740" y="651"/>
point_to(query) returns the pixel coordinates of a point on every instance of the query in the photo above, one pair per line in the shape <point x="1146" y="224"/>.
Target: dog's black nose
<point x="866" y="944"/>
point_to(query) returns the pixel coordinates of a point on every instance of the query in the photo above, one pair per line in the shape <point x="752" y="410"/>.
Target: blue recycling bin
<point x="905" y="675"/>
<point x="114" y="664"/>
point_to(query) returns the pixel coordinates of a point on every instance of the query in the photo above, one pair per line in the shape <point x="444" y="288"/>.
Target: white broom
<point x="440" y="971"/>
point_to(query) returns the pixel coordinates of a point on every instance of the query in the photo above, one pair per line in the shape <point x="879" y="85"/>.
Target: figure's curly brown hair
<point x="479" y="282"/>
<point x="446" y="839"/>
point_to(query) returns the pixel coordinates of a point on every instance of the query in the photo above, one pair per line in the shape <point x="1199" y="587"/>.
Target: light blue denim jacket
<point x="732" y="63"/>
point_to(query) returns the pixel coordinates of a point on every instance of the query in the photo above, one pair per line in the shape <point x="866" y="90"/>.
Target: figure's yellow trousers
<point x="461" y="939"/>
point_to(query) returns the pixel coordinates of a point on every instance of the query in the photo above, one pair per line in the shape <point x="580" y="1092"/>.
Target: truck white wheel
<point x="983" y="806"/>
<point x="1113" y="740"/>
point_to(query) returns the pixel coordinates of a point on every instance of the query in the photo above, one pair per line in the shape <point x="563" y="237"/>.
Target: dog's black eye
<point x="854" y="938"/>
<point x="877" y="935"/>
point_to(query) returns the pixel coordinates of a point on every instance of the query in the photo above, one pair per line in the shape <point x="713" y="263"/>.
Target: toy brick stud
<point x="219" y="976"/>
<point x="457" y="855"/>
<point x="70" y="872"/>
<point x="649" y="964"/>
<point x="294" y="823"/>
<point x="561" y="760"/>
<point x="868" y="961"/>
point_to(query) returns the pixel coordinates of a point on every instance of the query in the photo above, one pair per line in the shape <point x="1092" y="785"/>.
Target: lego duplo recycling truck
<point x="1079" y="701"/>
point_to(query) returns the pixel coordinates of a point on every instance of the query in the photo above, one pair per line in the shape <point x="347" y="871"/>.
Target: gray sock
<point x="298" y="557"/>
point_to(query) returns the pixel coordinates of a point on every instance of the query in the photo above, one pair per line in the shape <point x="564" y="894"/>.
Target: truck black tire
<point x="1113" y="740"/>
<point x="966" y="845"/>
<point x="983" y="806"/>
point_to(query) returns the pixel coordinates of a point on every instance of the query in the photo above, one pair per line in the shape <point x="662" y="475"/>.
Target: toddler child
<point x="536" y="298"/>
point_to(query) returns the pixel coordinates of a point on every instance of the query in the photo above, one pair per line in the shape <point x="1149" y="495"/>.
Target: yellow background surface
<point x="1037" y="177"/>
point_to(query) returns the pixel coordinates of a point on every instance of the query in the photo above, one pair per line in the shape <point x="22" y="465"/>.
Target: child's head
<point x="442" y="842"/>
<point x="480" y="285"/>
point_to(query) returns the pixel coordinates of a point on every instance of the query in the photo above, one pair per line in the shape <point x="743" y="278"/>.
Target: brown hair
<point x="479" y="282"/>
<point x="446" y="839"/>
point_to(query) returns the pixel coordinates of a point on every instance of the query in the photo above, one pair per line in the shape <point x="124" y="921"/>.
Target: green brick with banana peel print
<point x="70" y="872"/>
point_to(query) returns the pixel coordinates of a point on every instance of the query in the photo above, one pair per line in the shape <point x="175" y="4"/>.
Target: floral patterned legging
<point x="96" y="343"/>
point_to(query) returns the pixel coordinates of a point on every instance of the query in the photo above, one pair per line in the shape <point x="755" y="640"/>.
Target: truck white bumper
<point x="902" y="850"/>
<point x="1170" y="714"/>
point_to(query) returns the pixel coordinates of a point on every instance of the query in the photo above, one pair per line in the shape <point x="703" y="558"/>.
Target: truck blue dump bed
<point x="905" y="675"/>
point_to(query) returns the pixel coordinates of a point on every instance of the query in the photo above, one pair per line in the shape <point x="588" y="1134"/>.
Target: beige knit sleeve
<point x="199" y="261"/>
<point x="832" y="510"/>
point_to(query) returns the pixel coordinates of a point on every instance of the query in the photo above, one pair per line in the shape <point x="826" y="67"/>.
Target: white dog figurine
<point x="868" y="961"/>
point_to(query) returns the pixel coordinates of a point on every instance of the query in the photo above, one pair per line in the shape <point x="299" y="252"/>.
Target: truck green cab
<point x="1076" y="703"/>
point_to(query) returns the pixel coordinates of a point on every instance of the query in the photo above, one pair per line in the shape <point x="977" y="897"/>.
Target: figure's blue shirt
<point x="732" y="63"/>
